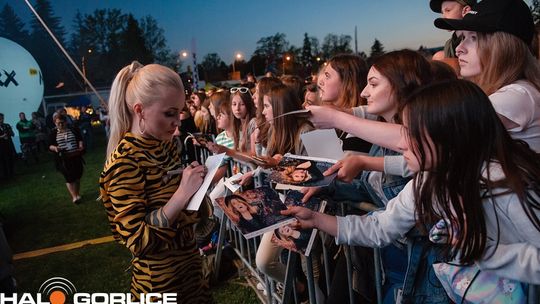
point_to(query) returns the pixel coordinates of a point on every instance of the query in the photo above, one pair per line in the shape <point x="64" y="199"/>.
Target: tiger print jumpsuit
<point x="134" y="187"/>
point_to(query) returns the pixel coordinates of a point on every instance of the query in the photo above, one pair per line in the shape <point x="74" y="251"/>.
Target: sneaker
<point x="77" y="200"/>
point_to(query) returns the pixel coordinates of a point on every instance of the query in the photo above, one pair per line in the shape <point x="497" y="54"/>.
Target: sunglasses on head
<point x="242" y="90"/>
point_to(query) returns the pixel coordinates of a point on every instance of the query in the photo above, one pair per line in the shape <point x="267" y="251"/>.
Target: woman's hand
<point x="215" y="148"/>
<point x="245" y="180"/>
<point x="195" y="142"/>
<point x="304" y="216"/>
<point x="270" y="162"/>
<point x="348" y="168"/>
<point x="309" y="192"/>
<point x="322" y="117"/>
<point x="192" y="178"/>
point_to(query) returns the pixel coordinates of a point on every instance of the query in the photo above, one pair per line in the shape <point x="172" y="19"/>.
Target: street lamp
<point x="288" y="58"/>
<point x="83" y="63"/>
<point x="238" y="56"/>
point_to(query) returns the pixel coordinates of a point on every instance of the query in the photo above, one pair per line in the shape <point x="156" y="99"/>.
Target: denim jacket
<point x="420" y="283"/>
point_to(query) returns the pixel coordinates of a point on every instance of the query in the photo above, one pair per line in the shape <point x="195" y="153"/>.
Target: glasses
<point x="242" y="90"/>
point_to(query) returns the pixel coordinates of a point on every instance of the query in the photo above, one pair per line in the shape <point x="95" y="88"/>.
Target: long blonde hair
<point x="135" y="83"/>
<point x="504" y="59"/>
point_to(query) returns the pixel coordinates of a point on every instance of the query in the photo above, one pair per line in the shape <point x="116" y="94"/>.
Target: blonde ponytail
<point x="136" y="83"/>
<point x="118" y="107"/>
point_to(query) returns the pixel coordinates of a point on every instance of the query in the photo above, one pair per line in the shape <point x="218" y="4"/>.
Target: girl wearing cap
<point x="494" y="53"/>
<point x="453" y="9"/>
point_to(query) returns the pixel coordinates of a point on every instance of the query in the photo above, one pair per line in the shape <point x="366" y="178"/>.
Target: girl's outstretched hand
<point x="322" y="117"/>
<point x="347" y="169"/>
<point x="304" y="216"/>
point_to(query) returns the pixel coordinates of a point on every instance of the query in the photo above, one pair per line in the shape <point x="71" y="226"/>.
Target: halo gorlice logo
<point x="59" y="290"/>
<point x="56" y="289"/>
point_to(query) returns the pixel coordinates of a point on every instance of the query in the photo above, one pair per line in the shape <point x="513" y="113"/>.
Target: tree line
<point x="104" y="41"/>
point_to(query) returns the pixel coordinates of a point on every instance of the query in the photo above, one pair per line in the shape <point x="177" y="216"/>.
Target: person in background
<point x="340" y="85"/>
<point x="311" y="95"/>
<point x="7" y="150"/>
<point x="104" y="118"/>
<point x="243" y="110"/>
<point x="85" y="126"/>
<point x="41" y="131"/>
<point x="259" y="138"/>
<point x="67" y="144"/>
<point x="491" y="34"/>
<point x="451" y="9"/>
<point x="27" y="137"/>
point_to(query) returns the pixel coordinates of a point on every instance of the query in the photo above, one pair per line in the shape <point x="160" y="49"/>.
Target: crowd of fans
<point x="444" y="149"/>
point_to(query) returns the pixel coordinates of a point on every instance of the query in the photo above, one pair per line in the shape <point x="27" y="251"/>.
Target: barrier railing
<point x="246" y="251"/>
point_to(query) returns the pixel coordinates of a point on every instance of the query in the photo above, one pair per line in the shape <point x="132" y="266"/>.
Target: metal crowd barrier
<point x="246" y="251"/>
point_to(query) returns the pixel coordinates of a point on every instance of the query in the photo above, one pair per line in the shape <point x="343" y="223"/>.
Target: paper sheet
<point x="323" y="143"/>
<point x="212" y="164"/>
<point x="232" y="186"/>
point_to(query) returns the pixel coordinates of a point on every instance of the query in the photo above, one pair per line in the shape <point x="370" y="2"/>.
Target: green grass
<point x="37" y="212"/>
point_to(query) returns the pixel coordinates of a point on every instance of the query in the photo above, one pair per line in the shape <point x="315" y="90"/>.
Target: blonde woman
<point x="146" y="212"/>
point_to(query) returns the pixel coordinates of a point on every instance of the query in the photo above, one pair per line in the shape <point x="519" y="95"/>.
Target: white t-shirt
<point x="520" y="103"/>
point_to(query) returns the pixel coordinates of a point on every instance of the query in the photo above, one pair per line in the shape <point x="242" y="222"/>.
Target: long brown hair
<point x="285" y="131"/>
<point x="241" y="127"/>
<point x="469" y="143"/>
<point x="406" y="71"/>
<point x="352" y="71"/>
<point x="263" y="86"/>
<point x="504" y="59"/>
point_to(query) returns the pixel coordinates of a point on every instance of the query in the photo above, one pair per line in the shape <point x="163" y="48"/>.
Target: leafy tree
<point x="257" y="64"/>
<point x="315" y="49"/>
<point x="133" y="46"/>
<point x="272" y="49"/>
<point x="377" y="49"/>
<point x="212" y="68"/>
<point x="53" y="65"/>
<point x="363" y="55"/>
<point x="154" y="38"/>
<point x="307" y="55"/>
<point x="99" y="32"/>
<point x="334" y="44"/>
<point x="12" y="27"/>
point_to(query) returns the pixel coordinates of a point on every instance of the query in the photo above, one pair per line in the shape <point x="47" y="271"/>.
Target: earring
<point x="142" y="127"/>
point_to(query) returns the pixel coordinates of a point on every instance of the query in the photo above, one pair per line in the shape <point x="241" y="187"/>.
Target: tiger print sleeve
<point x="140" y="230"/>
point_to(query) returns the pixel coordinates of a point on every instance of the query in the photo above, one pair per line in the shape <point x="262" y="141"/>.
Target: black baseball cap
<point x="436" y="5"/>
<point x="488" y="16"/>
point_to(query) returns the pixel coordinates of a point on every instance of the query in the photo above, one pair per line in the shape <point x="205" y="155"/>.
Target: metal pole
<point x="103" y="104"/>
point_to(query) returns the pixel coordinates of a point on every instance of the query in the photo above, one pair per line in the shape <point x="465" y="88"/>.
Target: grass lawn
<point x="37" y="213"/>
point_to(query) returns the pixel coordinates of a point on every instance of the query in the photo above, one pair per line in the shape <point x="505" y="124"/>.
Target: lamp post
<point x="182" y="55"/>
<point x="287" y="58"/>
<point x="83" y="64"/>
<point x="238" y="56"/>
